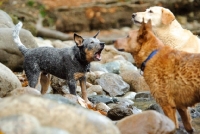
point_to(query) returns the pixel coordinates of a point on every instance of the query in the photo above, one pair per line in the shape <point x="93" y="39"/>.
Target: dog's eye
<point x="127" y="36"/>
<point x="150" y="11"/>
<point x="92" y="42"/>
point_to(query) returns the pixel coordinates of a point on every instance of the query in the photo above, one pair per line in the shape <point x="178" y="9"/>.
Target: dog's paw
<point x="85" y="103"/>
<point x="81" y="102"/>
<point x="90" y="105"/>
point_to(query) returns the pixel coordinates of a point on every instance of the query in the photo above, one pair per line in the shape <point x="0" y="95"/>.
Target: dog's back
<point x="174" y="77"/>
<point x="47" y="59"/>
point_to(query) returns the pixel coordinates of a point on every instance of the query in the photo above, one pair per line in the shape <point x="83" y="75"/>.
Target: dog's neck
<point x="81" y="57"/>
<point x="148" y="58"/>
<point x="172" y="34"/>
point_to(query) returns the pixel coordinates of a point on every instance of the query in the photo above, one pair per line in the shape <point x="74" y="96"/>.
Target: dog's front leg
<point x="83" y="88"/>
<point x="84" y="92"/>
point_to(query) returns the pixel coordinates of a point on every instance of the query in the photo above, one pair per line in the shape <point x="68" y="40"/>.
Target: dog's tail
<point x="17" y="40"/>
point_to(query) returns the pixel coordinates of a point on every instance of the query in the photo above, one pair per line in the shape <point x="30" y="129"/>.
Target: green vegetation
<point x="30" y="3"/>
<point x="42" y="11"/>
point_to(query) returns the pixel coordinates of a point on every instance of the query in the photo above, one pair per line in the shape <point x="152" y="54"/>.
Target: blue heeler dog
<point x="70" y="64"/>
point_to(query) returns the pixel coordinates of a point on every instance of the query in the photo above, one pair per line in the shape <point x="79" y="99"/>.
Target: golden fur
<point x="173" y="76"/>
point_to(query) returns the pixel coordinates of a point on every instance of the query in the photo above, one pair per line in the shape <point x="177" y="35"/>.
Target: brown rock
<point x="135" y="80"/>
<point x="147" y="122"/>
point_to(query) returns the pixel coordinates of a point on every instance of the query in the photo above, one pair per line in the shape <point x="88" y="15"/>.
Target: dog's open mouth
<point x="121" y="49"/>
<point x="97" y="55"/>
<point x="136" y="22"/>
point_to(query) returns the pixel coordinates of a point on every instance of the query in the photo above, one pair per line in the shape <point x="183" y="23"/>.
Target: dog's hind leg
<point x="32" y="75"/>
<point x="72" y="86"/>
<point x="171" y="113"/>
<point x="186" y="119"/>
<point x="45" y="80"/>
<point x="33" y="79"/>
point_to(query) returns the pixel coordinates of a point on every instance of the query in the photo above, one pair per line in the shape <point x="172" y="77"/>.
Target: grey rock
<point x="102" y="98"/>
<point x="156" y="107"/>
<point x="5" y="20"/>
<point x="130" y="95"/>
<point x="25" y="90"/>
<point x="145" y="96"/>
<point x="112" y="67"/>
<point x="9" y="52"/>
<point x="18" y="124"/>
<point x="97" y="66"/>
<point x="125" y="101"/>
<point x="25" y="124"/>
<point x="8" y="81"/>
<point x="59" y="99"/>
<point x="65" y="117"/>
<point x="113" y="84"/>
<point x="49" y="130"/>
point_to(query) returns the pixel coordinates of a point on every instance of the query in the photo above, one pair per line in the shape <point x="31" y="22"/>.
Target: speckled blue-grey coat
<point x="70" y="64"/>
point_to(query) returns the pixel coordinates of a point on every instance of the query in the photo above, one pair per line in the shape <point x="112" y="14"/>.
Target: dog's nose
<point x="133" y="15"/>
<point x="113" y="41"/>
<point x="102" y="44"/>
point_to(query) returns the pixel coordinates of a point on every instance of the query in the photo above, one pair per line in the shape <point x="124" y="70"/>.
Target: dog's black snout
<point x="113" y="41"/>
<point x="102" y="44"/>
<point x="134" y="15"/>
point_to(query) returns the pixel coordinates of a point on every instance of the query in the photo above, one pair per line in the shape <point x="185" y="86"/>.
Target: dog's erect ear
<point x="142" y="27"/>
<point x="78" y="40"/>
<point x="141" y="37"/>
<point x="96" y="34"/>
<point x="167" y="16"/>
<point x="148" y="24"/>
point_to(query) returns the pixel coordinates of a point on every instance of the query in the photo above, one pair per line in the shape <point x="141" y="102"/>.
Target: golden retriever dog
<point x="172" y="75"/>
<point x="168" y="29"/>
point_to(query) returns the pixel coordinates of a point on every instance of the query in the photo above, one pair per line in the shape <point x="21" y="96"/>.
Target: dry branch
<point x="50" y="33"/>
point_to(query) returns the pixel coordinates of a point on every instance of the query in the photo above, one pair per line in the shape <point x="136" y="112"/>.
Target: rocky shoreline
<point x="115" y="86"/>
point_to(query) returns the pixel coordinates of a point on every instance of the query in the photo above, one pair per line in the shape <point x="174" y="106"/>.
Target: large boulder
<point x="147" y="122"/>
<point x="5" y="20"/>
<point x="15" y="124"/>
<point x="9" y="52"/>
<point x="8" y="81"/>
<point x="73" y="119"/>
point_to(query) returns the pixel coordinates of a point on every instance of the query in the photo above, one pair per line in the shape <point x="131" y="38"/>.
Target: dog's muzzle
<point x="98" y="54"/>
<point x="133" y="15"/>
<point x="134" y="20"/>
<point x="102" y="44"/>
